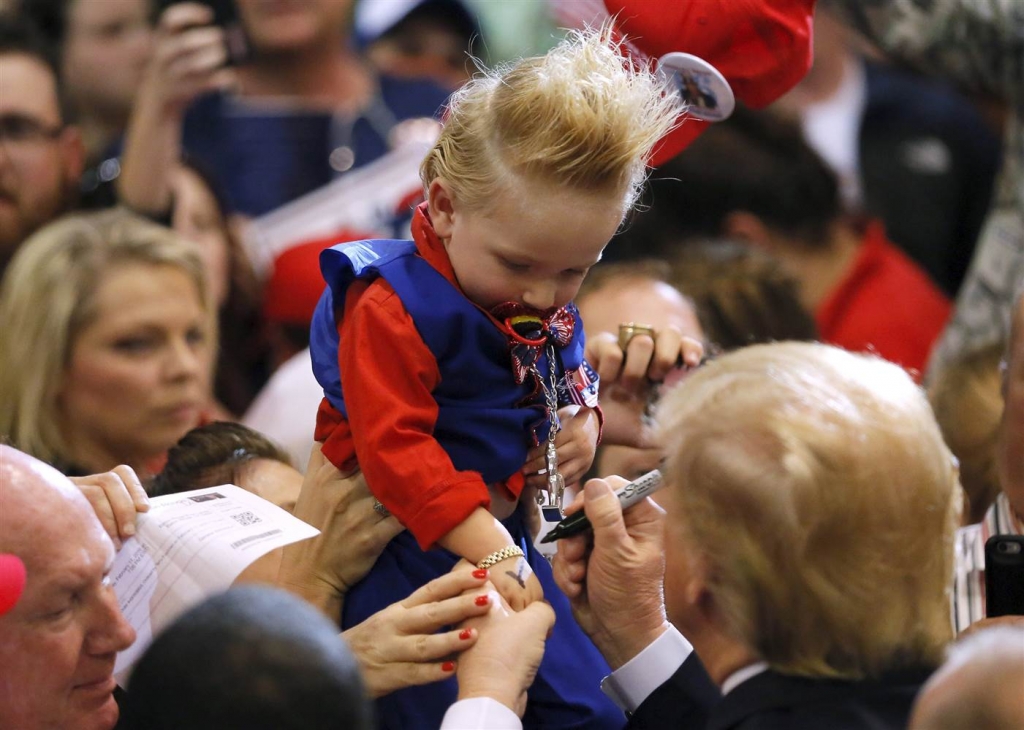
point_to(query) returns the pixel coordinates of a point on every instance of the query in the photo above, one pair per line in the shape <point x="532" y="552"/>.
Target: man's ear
<point x="72" y="152"/>
<point x="748" y="228"/>
<point x="697" y="594"/>
<point x="441" y="206"/>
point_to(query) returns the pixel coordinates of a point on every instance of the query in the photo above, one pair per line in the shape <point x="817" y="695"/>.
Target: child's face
<point x="532" y="247"/>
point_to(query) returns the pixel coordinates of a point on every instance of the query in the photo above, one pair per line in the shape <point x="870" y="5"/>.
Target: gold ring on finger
<point x="629" y="330"/>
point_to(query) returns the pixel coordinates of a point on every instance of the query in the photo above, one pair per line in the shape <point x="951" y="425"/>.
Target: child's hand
<point x="515" y="581"/>
<point x="629" y="376"/>
<point x="576" y="444"/>
<point x="644" y="361"/>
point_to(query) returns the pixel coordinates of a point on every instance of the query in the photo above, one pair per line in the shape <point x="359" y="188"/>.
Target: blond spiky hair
<point x="583" y="116"/>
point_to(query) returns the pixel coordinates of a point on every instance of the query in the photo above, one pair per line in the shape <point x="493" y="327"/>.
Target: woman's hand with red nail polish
<point x="399" y="647"/>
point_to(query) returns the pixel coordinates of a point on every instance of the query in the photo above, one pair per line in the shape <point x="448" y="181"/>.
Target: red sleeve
<point x="388" y="376"/>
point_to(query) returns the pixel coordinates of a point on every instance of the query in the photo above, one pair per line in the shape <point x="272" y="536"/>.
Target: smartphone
<point x="225" y="15"/>
<point x="1004" y="576"/>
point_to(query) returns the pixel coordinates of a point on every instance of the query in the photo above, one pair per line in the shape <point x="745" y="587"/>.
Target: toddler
<point x="452" y="364"/>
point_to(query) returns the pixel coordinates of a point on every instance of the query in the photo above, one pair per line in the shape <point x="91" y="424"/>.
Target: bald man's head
<point x="59" y="642"/>
<point x="981" y="685"/>
<point x="34" y="493"/>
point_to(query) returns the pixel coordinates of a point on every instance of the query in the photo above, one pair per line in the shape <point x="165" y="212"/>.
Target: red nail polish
<point x="465" y="634"/>
<point x="482" y="600"/>
<point x="480" y="573"/>
<point x="448" y="667"/>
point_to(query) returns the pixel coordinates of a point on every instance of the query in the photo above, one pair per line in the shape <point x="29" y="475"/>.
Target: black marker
<point x="628" y="496"/>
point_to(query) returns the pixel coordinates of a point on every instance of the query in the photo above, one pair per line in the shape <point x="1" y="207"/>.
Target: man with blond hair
<point x="807" y="549"/>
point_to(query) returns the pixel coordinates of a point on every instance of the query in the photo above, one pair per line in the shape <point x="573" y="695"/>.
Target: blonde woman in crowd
<point x="107" y="344"/>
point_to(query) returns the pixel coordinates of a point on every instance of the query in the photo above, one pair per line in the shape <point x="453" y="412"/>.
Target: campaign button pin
<point x="701" y="87"/>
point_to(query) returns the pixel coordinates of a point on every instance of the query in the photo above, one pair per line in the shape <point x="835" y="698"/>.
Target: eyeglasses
<point x="19" y="130"/>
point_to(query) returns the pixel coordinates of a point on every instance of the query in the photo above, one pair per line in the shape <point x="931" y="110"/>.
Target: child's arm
<point x="481" y="535"/>
<point x="388" y="375"/>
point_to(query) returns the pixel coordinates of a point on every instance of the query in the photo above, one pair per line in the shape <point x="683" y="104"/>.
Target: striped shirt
<point x="969" y="581"/>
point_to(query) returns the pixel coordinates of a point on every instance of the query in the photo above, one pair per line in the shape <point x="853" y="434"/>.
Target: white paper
<point x="189" y="546"/>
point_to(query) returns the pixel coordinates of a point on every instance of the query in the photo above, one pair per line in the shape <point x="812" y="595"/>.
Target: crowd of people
<point x="809" y="316"/>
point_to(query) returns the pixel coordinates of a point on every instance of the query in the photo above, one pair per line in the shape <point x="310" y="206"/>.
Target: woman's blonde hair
<point x="582" y="116"/>
<point x="967" y="398"/>
<point x="47" y="297"/>
<point x="816" y="487"/>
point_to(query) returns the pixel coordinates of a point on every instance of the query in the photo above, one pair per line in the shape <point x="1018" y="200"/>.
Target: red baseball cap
<point x="761" y="47"/>
<point x="295" y="284"/>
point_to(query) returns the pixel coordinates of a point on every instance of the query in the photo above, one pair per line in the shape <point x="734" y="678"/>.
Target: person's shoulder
<point x="892" y="84"/>
<point x="376" y="304"/>
<point x="897" y="275"/>
<point x="206" y="109"/>
<point x="772" y="699"/>
<point x="379" y="294"/>
<point x="925" y="105"/>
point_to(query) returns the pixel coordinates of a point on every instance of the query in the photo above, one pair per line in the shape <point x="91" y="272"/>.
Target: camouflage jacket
<point x="977" y="45"/>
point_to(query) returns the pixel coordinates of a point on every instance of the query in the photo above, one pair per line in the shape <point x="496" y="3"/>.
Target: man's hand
<point x="614" y="581"/>
<point x="116" y="496"/>
<point x="504" y="661"/>
<point x="352" y="536"/>
<point x="188" y="59"/>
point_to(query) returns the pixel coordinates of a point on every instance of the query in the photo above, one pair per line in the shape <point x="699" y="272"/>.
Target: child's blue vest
<point x="479" y="423"/>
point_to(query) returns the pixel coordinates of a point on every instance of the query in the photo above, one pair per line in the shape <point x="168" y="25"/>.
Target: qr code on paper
<point x="246" y="518"/>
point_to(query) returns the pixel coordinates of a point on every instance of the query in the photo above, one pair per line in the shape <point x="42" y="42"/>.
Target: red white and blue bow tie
<point x="528" y="332"/>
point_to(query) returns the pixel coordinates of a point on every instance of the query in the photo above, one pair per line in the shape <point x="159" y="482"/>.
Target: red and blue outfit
<point x="435" y="398"/>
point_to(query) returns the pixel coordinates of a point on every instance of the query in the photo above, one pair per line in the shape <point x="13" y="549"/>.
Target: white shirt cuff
<point x="480" y="713"/>
<point x="634" y="681"/>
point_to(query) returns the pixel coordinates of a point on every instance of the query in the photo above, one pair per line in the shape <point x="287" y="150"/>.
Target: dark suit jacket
<point x="928" y="162"/>
<point x="773" y="701"/>
<point x="684" y="701"/>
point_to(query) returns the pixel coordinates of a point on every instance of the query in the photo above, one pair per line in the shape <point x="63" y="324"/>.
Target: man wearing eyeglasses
<point x="41" y="157"/>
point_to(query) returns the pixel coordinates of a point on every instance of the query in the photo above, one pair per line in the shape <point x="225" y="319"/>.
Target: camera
<point x="225" y="16"/>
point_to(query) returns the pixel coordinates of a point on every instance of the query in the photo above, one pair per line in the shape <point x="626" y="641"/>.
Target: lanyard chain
<point x="556" y="483"/>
